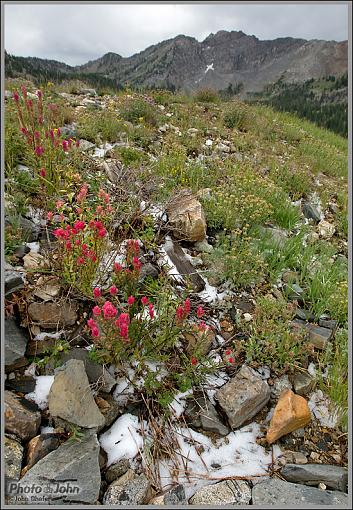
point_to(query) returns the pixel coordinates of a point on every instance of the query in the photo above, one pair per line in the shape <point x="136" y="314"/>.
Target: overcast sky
<point x="74" y="34"/>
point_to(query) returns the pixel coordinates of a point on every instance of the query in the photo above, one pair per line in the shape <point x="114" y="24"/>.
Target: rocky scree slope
<point x="251" y="401"/>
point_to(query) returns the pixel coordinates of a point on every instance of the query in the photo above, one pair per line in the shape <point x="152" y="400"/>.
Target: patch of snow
<point x="124" y="388"/>
<point x="41" y="391"/>
<point x="312" y="369"/>
<point x="179" y="403"/>
<point x="44" y="335"/>
<point x="47" y="430"/>
<point x="209" y="68"/>
<point x="165" y="260"/>
<point x="34" y="247"/>
<point x="155" y="211"/>
<point x="123" y="439"/>
<point x="210" y="294"/>
<point x="100" y="152"/>
<point x="31" y="370"/>
<point x="323" y="409"/>
<point x="213" y="382"/>
<point x="237" y="454"/>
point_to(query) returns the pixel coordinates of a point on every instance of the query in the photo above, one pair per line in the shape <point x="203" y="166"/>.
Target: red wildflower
<point x="97" y="292"/>
<point x="91" y="323"/>
<point x="39" y="150"/>
<point x="187" y="306"/>
<point x="130" y="300"/>
<point x="180" y="312"/>
<point x="95" y="332"/>
<point x="42" y="172"/>
<point x="151" y="311"/>
<point x="193" y="361"/>
<point x="144" y="300"/>
<point x="109" y="310"/>
<point x="200" y="312"/>
<point x="96" y="310"/>
<point x="113" y="290"/>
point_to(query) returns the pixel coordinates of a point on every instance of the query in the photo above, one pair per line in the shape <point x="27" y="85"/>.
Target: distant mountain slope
<point x="221" y="59"/>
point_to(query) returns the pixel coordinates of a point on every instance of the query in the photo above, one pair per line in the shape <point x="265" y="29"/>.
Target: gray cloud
<point x="74" y="33"/>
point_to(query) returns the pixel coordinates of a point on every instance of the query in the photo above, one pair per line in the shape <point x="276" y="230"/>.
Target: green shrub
<point x="206" y="95"/>
<point x="138" y="111"/>
<point x="236" y="117"/>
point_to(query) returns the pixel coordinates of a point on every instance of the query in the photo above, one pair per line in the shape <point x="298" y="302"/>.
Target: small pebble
<point x="322" y="486"/>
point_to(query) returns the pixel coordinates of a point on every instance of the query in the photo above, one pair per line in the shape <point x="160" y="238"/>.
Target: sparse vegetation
<point x="252" y="169"/>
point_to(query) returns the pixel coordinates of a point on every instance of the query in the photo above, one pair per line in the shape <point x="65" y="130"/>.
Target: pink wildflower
<point x="144" y="300"/>
<point x="200" y="312"/>
<point x="109" y="310"/>
<point x="130" y="300"/>
<point x="113" y="290"/>
<point x="97" y="292"/>
<point x="96" y="311"/>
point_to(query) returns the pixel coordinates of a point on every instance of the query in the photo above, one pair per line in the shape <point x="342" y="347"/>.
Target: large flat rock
<point x="71" y="472"/>
<point x="273" y="491"/>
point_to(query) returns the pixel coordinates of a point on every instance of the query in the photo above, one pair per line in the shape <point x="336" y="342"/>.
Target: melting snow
<point x="237" y="454"/>
<point x="210" y="294"/>
<point x="44" y="335"/>
<point x="179" y="403"/>
<point x="47" y="430"/>
<point x="123" y="439"/>
<point x="164" y="259"/>
<point x="34" y="247"/>
<point x="41" y="391"/>
<point x="209" y="68"/>
<point x="213" y="383"/>
<point x="100" y="152"/>
<point x="323" y="409"/>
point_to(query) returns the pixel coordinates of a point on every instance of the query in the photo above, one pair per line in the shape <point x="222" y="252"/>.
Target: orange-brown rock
<point x="291" y="413"/>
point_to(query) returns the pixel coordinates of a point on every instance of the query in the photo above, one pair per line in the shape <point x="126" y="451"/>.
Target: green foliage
<point x="130" y="156"/>
<point x="271" y="339"/>
<point x="336" y="384"/>
<point x="236" y="117"/>
<point x="139" y="111"/>
<point x="314" y="100"/>
<point x="206" y="95"/>
<point x="105" y="127"/>
<point x="236" y="260"/>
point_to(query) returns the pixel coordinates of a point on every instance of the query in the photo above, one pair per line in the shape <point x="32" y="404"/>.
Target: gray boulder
<point x="13" y="453"/>
<point x="71" y="472"/>
<point x="334" y="477"/>
<point x="273" y="491"/>
<point x="200" y="413"/>
<point x="243" y="396"/>
<point x="128" y="491"/>
<point x="71" y="398"/>
<point x="229" y="492"/>
<point x="22" y="417"/>
<point x="13" y="280"/>
<point x="15" y="345"/>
